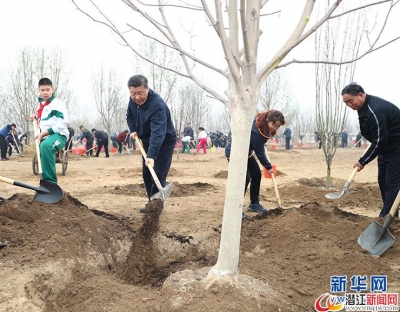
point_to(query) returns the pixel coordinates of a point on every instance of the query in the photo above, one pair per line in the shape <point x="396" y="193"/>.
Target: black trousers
<point x="3" y="146"/>
<point x="254" y="175"/>
<point x="89" y="149"/>
<point x="161" y="168"/>
<point x="100" y="145"/>
<point x="389" y="179"/>
<point x="120" y="147"/>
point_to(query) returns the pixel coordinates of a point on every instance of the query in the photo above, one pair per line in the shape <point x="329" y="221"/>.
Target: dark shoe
<point x="143" y="210"/>
<point x="107" y="156"/>
<point x="257" y="208"/>
<point x="4" y="159"/>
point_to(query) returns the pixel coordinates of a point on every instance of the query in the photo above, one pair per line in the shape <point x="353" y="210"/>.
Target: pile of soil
<point x="57" y="252"/>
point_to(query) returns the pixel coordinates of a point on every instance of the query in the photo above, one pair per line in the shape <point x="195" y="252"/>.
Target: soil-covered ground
<point x="94" y="251"/>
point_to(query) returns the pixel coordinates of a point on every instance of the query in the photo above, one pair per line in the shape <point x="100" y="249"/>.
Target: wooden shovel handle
<point x="153" y="173"/>
<point x="276" y="190"/>
<point x="353" y="174"/>
<point x="395" y="205"/>
<point x="16" y="143"/>
<point x="274" y="182"/>
<point x="6" y="180"/>
<point x="35" y="131"/>
<point x="355" y="170"/>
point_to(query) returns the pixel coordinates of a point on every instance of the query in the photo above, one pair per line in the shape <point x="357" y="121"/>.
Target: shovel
<point x="13" y="149"/>
<point x="47" y="192"/>
<point x="16" y="144"/>
<point x="278" y="199"/>
<point x="376" y="239"/>
<point x="345" y="190"/>
<point x="164" y="192"/>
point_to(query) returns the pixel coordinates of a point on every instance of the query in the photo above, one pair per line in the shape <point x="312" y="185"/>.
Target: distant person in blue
<point x="149" y="119"/>
<point x="5" y="132"/>
<point x="379" y="124"/>
<point x="264" y="127"/>
<point x="345" y="138"/>
<point x="288" y="136"/>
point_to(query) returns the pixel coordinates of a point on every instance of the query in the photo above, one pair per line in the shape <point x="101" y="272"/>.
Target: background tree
<point x="303" y="123"/>
<point x="338" y="39"/>
<point x="20" y="94"/>
<point x="109" y="99"/>
<point x="275" y="93"/>
<point x="236" y="27"/>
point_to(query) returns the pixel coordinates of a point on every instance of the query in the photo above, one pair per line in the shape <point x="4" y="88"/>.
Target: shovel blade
<point x="164" y="193"/>
<point x="338" y="194"/>
<point x="48" y="192"/>
<point x="368" y="239"/>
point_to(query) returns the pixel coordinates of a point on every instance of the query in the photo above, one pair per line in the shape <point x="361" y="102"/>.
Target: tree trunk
<point x="226" y="267"/>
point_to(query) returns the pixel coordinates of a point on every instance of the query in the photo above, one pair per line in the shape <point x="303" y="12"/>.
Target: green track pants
<point x="48" y="148"/>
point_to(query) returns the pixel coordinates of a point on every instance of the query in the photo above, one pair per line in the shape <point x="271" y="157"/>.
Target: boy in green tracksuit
<point x="52" y="116"/>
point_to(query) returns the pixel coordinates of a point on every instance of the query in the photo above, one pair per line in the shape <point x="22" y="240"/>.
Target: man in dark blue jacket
<point x="4" y="133"/>
<point x="379" y="124"/>
<point x="288" y="136"/>
<point x="149" y="118"/>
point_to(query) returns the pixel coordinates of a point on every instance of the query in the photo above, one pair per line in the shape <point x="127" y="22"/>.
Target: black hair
<point x="201" y="128"/>
<point x="94" y="129"/>
<point x="352" y="89"/>
<point x="14" y="125"/>
<point x="45" y="82"/>
<point x="137" y="81"/>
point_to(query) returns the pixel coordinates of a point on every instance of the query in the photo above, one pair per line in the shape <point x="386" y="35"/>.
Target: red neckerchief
<point x="40" y="109"/>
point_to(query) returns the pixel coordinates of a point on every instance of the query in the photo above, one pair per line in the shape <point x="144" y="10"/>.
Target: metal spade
<point x="164" y="192"/>
<point x="345" y="190"/>
<point x="376" y="239"/>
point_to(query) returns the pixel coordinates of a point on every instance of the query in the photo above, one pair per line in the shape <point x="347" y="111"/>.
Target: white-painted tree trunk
<point x="226" y="267"/>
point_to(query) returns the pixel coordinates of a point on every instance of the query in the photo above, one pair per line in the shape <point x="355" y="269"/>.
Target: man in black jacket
<point x="102" y="140"/>
<point x="149" y="118"/>
<point x="89" y="140"/>
<point x="379" y="124"/>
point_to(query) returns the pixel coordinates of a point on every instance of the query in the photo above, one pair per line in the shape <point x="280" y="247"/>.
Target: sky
<point x="57" y="23"/>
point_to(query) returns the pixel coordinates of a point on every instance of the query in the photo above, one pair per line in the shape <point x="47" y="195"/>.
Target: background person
<point x="379" y="124"/>
<point x="102" y="140"/>
<point x="4" y="133"/>
<point x="288" y="136"/>
<point x="202" y="140"/>
<point x="345" y="138"/>
<point x="188" y="131"/>
<point x="68" y="146"/>
<point x="86" y="134"/>
<point x="149" y="118"/>
<point x="121" y="140"/>
<point x="185" y="144"/>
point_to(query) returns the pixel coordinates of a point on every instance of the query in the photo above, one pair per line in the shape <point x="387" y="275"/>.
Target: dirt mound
<point x="129" y="189"/>
<point x="303" y="247"/>
<point x="192" y="189"/>
<point x="221" y="175"/>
